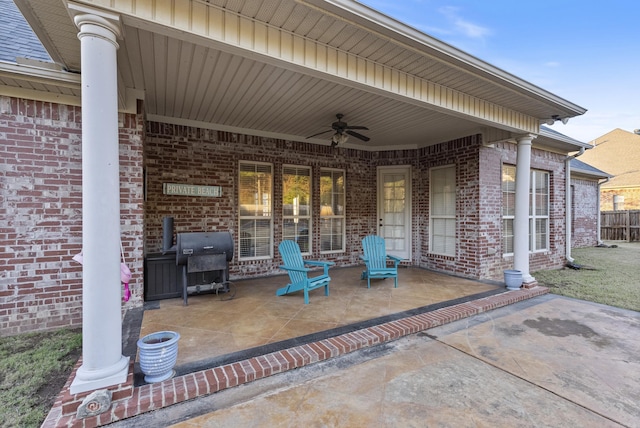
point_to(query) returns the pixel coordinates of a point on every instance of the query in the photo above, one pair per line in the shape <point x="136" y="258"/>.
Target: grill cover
<point x="203" y="243"/>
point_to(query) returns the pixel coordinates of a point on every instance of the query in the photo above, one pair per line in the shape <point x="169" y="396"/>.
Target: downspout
<point x="568" y="199"/>
<point x="599" y="236"/>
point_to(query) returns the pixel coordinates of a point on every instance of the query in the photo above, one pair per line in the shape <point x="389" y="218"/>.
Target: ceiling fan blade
<point x="360" y="136"/>
<point x="357" y="127"/>
<point x="319" y="133"/>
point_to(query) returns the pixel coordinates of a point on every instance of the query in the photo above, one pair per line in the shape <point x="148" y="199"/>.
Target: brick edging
<point x="155" y="396"/>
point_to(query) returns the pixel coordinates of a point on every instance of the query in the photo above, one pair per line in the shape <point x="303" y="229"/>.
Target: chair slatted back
<point x="292" y="257"/>
<point x="375" y="251"/>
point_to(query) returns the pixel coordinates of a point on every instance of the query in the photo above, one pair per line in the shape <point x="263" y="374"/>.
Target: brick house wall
<point x="462" y="153"/>
<point x="189" y="155"/>
<point x="490" y="251"/>
<point x="631" y="198"/>
<point x="41" y="214"/>
<point x="131" y="135"/>
<point x="584" y="210"/>
<point x="41" y="194"/>
<point x="555" y="165"/>
<point x="179" y="154"/>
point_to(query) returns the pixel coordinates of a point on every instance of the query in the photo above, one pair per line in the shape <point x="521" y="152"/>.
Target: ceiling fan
<point x="341" y="128"/>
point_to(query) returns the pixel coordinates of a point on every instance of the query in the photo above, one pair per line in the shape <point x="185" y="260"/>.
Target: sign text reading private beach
<point x="191" y="190"/>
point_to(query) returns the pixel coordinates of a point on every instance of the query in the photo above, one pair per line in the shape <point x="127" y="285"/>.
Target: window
<point x="538" y="209"/>
<point x="618" y="202"/>
<point x="296" y="206"/>
<point x="332" y="210"/>
<point x="256" y="214"/>
<point x="442" y="211"/>
<point x="508" y="206"/>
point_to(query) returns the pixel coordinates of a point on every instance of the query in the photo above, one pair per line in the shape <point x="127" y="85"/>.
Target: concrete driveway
<point x="549" y="361"/>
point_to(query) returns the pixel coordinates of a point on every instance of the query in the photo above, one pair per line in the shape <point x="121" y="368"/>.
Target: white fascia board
<point x="32" y="94"/>
<point x="398" y="31"/>
<point x="40" y="75"/>
<point x="588" y="173"/>
<point x="556" y="136"/>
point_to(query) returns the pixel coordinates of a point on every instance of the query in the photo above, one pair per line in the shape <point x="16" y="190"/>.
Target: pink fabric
<point x="127" y="293"/>
<point x="125" y="276"/>
<point x="125" y="273"/>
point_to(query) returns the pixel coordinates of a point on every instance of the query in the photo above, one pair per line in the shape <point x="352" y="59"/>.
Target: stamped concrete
<point x="212" y="326"/>
<point x="549" y="361"/>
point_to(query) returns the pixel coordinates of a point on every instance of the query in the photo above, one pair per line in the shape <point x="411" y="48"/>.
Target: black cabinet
<point x="163" y="278"/>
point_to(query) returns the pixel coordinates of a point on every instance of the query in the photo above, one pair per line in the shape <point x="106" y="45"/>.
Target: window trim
<point x="343" y="216"/>
<point x="506" y="218"/>
<point x="255" y="217"/>
<point x="532" y="208"/>
<point x="433" y="217"/>
<point x="532" y="212"/>
<point x="309" y="217"/>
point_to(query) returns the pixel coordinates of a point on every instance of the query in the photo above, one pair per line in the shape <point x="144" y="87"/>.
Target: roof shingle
<point x="618" y="153"/>
<point x="18" y="39"/>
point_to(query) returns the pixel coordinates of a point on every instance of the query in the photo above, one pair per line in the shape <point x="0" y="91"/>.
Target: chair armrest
<point x="295" y="269"/>
<point x="325" y="265"/>
<point x="395" y="259"/>
<point x="363" y="258"/>
<point x="318" y="263"/>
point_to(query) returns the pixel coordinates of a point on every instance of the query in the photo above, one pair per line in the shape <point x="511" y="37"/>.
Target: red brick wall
<point x="490" y="248"/>
<point x="41" y="214"/>
<point x="40" y="287"/>
<point x="631" y="198"/>
<point x="584" y="213"/>
<point x="178" y="154"/>
<point x="492" y="158"/>
<point x="555" y="165"/>
<point x="206" y="157"/>
<point x="131" y="135"/>
<point x="462" y="153"/>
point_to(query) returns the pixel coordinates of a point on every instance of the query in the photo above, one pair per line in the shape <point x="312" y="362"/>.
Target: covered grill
<point x="204" y="252"/>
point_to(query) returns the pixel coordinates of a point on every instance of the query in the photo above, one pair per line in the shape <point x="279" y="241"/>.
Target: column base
<point x="90" y="380"/>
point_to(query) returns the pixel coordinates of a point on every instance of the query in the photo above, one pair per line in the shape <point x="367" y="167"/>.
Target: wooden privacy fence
<point x="620" y="225"/>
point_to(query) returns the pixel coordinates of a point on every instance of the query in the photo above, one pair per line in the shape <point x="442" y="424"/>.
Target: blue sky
<point x="585" y="51"/>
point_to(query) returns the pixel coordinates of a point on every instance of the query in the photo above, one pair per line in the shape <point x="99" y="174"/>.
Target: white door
<point x="394" y="209"/>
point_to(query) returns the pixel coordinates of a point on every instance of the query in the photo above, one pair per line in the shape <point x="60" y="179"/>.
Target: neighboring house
<point x="618" y="153"/>
<point x="585" y="203"/>
<point x="454" y="169"/>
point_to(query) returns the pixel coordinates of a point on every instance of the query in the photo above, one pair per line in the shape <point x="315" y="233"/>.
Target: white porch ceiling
<point x="183" y="80"/>
<point x="190" y="79"/>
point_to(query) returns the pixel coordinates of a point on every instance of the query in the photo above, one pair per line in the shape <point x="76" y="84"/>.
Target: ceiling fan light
<point x="339" y="138"/>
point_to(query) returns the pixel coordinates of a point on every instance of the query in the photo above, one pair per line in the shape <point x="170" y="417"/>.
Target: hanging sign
<point x="191" y="190"/>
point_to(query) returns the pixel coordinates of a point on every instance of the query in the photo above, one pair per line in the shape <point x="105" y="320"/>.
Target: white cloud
<point x="462" y="26"/>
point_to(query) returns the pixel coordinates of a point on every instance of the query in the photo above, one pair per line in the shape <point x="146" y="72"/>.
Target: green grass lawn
<point x="610" y="276"/>
<point x="33" y="370"/>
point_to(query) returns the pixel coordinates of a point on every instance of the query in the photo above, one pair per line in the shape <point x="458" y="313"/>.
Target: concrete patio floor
<point x="230" y="344"/>
<point x="549" y="361"/>
<point x="216" y="329"/>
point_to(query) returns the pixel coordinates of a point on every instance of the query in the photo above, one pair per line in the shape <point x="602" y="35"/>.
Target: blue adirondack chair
<point x="299" y="273"/>
<point x="375" y="257"/>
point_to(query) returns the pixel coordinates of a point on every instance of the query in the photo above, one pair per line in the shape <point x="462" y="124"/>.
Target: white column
<point x="102" y="361"/>
<point x="521" y="217"/>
